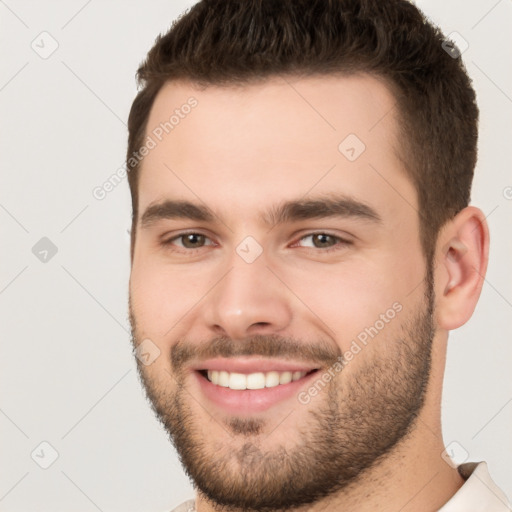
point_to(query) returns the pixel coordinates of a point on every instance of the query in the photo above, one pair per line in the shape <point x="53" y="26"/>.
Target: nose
<point x="248" y="300"/>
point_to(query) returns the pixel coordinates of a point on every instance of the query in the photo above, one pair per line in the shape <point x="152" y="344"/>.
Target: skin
<point x="242" y="152"/>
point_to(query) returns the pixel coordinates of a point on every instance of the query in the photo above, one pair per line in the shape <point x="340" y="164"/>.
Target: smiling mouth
<point x="256" y="380"/>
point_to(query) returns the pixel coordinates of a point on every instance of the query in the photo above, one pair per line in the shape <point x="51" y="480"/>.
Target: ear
<point x="462" y="254"/>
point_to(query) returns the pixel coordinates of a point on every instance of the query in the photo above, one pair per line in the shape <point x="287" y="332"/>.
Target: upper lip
<point x="252" y="364"/>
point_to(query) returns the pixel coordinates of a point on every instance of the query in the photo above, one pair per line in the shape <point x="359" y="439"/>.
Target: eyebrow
<point x="289" y="211"/>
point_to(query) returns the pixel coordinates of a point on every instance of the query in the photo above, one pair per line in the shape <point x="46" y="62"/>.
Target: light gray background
<point x="67" y="375"/>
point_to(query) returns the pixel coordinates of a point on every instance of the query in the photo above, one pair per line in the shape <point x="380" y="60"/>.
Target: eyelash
<point x="340" y="242"/>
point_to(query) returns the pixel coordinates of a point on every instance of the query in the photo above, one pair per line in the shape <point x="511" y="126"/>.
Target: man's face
<point x="269" y="254"/>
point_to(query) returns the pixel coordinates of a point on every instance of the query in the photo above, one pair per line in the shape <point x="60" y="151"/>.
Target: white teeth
<point x="271" y="379"/>
<point x="297" y="375"/>
<point x="285" y="377"/>
<point x="237" y="381"/>
<point x="258" y="380"/>
<point x="223" y="379"/>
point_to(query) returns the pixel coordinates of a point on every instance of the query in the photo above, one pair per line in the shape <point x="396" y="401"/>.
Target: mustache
<point x="272" y="346"/>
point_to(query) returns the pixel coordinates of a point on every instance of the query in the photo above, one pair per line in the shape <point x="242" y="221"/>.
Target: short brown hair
<point x="237" y="42"/>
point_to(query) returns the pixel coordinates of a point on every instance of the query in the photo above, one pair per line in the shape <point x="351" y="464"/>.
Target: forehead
<point x="239" y="147"/>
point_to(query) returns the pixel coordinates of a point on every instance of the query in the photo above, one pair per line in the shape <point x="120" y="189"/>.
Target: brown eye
<point x="188" y="241"/>
<point x="321" y="240"/>
<point x="192" y="240"/>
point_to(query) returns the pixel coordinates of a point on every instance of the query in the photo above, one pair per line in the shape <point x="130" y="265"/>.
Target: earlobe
<point x="462" y="256"/>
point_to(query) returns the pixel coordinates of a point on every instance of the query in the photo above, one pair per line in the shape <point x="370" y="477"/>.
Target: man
<point x="301" y="246"/>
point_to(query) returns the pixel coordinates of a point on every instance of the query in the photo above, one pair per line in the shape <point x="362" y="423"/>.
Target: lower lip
<point x="250" y="400"/>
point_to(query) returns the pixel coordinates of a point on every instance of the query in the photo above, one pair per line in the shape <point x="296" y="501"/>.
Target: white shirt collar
<point x="479" y="493"/>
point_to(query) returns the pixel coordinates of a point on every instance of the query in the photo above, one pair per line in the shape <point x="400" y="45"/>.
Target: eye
<point x="322" y="241"/>
<point x="189" y="241"/>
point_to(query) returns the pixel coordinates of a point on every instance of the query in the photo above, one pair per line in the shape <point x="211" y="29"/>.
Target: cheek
<point x="349" y="300"/>
<point x="162" y="296"/>
<point x="153" y="292"/>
